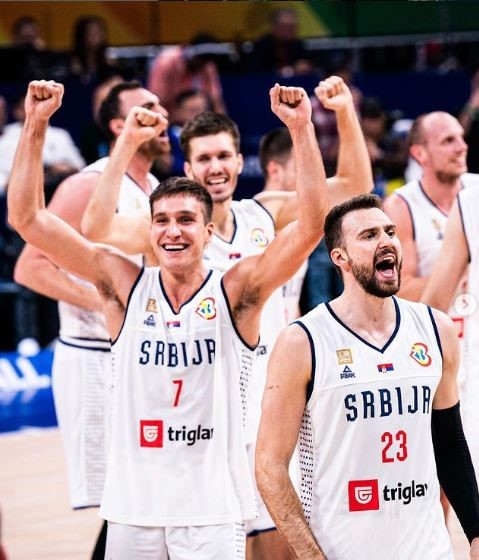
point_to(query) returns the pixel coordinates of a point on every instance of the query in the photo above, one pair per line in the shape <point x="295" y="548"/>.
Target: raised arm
<point x="255" y="278"/>
<point x="100" y="221"/>
<point x="35" y="271"/>
<point x="289" y="371"/>
<point x="412" y="285"/>
<point x="450" y="264"/>
<point x="354" y="173"/>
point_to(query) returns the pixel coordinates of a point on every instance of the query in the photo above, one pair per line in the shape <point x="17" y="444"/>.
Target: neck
<point x="223" y="219"/>
<point x="138" y="170"/>
<point x="371" y="314"/>
<point x="181" y="285"/>
<point x="441" y="192"/>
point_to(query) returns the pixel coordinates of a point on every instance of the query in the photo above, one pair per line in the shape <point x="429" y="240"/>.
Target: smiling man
<point x="177" y="477"/>
<point x="360" y="379"/>
<point x="211" y="145"/>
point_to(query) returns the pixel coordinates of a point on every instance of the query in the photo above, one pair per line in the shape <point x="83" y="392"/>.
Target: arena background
<point x="32" y="471"/>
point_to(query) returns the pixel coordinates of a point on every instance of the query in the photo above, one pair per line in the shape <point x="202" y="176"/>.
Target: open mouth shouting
<point x="386" y="265"/>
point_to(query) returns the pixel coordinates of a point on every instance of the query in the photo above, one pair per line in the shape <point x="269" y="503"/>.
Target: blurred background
<point x="400" y="58"/>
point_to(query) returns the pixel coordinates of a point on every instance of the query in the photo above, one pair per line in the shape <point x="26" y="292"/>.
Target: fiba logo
<point x="363" y="495"/>
<point x="151" y="433"/>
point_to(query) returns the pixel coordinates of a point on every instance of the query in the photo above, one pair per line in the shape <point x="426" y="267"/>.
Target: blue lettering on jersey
<point x="172" y="354"/>
<point x="384" y="402"/>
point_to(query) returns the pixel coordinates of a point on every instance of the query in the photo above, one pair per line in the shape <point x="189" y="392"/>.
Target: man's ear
<point x="187" y="170"/>
<point x="116" y="126"/>
<point x="418" y="152"/>
<point x="240" y="163"/>
<point x="339" y="257"/>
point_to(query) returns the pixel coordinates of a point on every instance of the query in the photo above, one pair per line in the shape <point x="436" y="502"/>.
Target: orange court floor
<point x="37" y="521"/>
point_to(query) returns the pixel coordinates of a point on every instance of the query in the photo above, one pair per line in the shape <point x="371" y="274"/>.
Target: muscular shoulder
<point x="71" y="197"/>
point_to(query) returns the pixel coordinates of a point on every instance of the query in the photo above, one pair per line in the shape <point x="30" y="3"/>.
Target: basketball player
<point x="279" y="171"/>
<point x="177" y="474"/>
<point x="460" y="249"/>
<point x="82" y="361"/>
<point x="243" y="228"/>
<point x="361" y="378"/>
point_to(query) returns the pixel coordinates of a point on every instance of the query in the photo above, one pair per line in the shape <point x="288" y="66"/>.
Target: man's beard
<point x="366" y="278"/>
<point x="155" y="147"/>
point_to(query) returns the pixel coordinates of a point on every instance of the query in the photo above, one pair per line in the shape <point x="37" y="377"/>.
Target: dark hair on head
<point x="275" y="145"/>
<point x="181" y="186"/>
<point x="206" y="124"/>
<point x="188" y="94"/>
<point x="80" y="32"/>
<point x="333" y="234"/>
<point x="110" y="107"/>
<point x="416" y="132"/>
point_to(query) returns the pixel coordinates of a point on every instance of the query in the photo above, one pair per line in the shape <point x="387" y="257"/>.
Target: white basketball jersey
<point x="81" y="327"/>
<point x="292" y="293"/>
<point x="369" y="483"/>
<point x="429" y="225"/>
<point x="254" y="230"/>
<point x="177" y="455"/>
<point x="469" y="207"/>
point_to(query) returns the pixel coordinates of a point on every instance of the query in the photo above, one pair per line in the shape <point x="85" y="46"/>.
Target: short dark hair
<point x="206" y="124"/>
<point x="110" y="107"/>
<point x="175" y="186"/>
<point x="333" y="234"/>
<point x="274" y="145"/>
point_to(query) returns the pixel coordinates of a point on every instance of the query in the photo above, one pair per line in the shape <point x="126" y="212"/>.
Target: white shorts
<point x="78" y="382"/>
<point x="209" y="542"/>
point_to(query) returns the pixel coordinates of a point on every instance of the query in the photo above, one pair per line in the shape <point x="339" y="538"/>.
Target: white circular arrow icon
<point x="465" y="304"/>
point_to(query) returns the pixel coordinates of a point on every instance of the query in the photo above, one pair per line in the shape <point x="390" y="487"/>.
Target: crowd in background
<point x="188" y="80"/>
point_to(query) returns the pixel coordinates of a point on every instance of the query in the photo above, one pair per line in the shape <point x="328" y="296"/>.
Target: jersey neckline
<point x="360" y="338"/>
<point x="210" y="272"/>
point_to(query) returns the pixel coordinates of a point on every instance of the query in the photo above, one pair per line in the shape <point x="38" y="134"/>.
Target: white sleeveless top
<point x="254" y="230"/>
<point x="429" y="225"/>
<point x="81" y="327"/>
<point x="177" y="453"/>
<point x="369" y="483"/>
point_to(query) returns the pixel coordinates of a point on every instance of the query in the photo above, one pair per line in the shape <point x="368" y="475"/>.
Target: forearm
<point x="97" y="221"/>
<point x="454" y="468"/>
<point x="25" y="192"/>
<point x="285" y="508"/>
<point x="310" y="182"/>
<point x="354" y="165"/>
<point x="40" y="275"/>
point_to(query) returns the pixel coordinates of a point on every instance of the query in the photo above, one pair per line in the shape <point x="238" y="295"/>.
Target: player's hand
<point x="43" y="99"/>
<point x="291" y="105"/>
<point x="142" y="125"/>
<point x="474" y="552"/>
<point x="334" y="94"/>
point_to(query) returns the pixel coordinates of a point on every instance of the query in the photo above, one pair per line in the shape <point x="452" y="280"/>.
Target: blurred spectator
<point x="187" y="105"/>
<point x="60" y="155"/>
<point x="180" y="68"/>
<point x="93" y="141"/>
<point x="88" y="58"/>
<point x="26" y="33"/>
<point x="281" y="50"/>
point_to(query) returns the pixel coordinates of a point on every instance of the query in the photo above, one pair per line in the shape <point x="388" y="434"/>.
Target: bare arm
<point x="56" y="239"/>
<point x="35" y="271"/>
<point x="447" y="394"/>
<point x="354" y="173"/>
<point x="282" y="410"/>
<point x="412" y="285"/>
<point x="100" y="221"/>
<point x="254" y="279"/>
<point x="450" y="264"/>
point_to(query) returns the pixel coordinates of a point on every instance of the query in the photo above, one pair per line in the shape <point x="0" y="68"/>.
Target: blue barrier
<point x="26" y="398"/>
